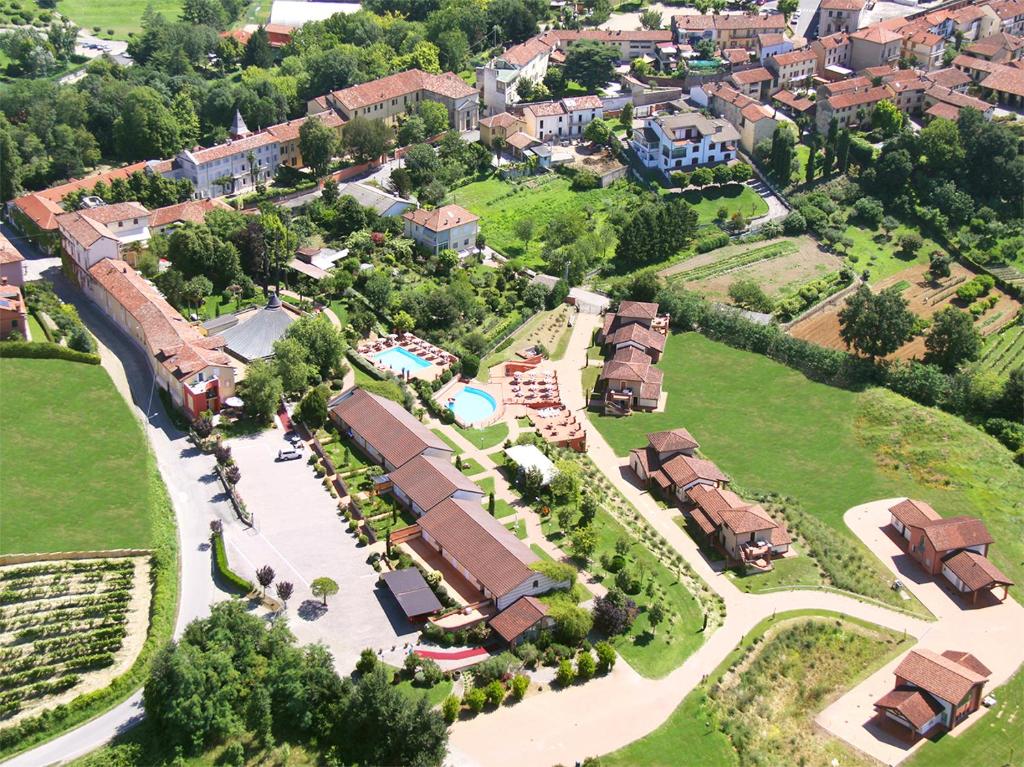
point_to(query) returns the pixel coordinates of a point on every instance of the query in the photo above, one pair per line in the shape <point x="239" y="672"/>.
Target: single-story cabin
<point x="427" y="480"/>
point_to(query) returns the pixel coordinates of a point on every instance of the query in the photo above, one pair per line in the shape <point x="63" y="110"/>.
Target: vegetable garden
<point x="63" y="621"/>
<point x="736" y="261"/>
<point x="1004" y="351"/>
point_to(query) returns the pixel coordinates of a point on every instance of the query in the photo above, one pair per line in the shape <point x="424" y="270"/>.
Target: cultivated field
<point x="925" y="298"/>
<point x="780" y="268"/>
<point x="74" y="465"/>
<point x="1004" y="351"/>
<point x="67" y="628"/>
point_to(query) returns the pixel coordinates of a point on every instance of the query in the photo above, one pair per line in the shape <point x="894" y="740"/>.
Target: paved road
<point x="185" y="472"/>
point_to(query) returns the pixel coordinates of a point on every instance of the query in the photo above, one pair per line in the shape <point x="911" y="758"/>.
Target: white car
<point x="289" y="455"/>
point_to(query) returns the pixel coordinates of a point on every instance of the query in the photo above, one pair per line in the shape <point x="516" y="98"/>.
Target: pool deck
<point x="453" y="387"/>
<point x="437" y="359"/>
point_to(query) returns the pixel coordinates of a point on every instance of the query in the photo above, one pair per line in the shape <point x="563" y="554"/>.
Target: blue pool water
<point x="401" y="360"/>
<point x="473" y="405"/>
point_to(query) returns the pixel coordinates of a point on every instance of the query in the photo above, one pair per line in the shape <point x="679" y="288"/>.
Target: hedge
<point x="711" y="242"/>
<point x="230" y="577"/>
<point x="46" y="350"/>
<point x="365" y="365"/>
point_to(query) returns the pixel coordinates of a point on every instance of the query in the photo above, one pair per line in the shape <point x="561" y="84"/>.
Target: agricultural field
<point x="925" y="298"/>
<point x="773" y="430"/>
<point x="1004" y="351"/>
<point x="74" y="426"/>
<point x="67" y="628"/>
<point x="780" y="267"/>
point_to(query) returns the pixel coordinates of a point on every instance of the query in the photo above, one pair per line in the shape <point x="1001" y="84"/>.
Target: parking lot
<point x="298" y="532"/>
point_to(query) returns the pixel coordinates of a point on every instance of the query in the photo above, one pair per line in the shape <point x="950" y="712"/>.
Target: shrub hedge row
<point x="230" y="577"/>
<point x="45" y="350"/>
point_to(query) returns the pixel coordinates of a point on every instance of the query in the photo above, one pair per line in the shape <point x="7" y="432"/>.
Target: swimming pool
<point x="472" y="406"/>
<point x="400" y="360"/>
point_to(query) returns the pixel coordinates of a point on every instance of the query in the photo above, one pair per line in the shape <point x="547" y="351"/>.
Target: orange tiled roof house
<point x="634" y="339"/>
<point x="955" y="547"/>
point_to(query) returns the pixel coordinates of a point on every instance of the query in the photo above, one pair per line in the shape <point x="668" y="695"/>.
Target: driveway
<point x="298" y="531"/>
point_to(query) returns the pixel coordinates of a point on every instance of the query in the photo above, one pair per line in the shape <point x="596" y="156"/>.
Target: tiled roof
<point x="500" y="120"/>
<point x="948" y="78"/>
<point x="870" y="96"/>
<point x="178" y="346"/>
<point x="736" y="55"/>
<point x="640" y="371"/>
<point x="835" y="40"/>
<point x="684" y="469"/>
<point x="845" y="86"/>
<point x="739" y="21"/>
<point x="521" y="140"/>
<point x="82" y="230"/>
<point x="232" y="147"/>
<point x="8" y="253"/>
<point x="480" y="543"/>
<point x="957" y="533"/>
<point x="522" y="54"/>
<point x="714" y="500"/>
<point x="672" y="440"/>
<point x="694" y="22"/>
<point x="519" y="617"/>
<point x="393" y="86"/>
<point x="971" y="62"/>
<point x="642" y="310"/>
<point x="441" y="219"/>
<point x="1006" y="80"/>
<point x="768" y="39"/>
<point x="289" y="131"/>
<point x="387" y="426"/>
<point x="942" y="677"/>
<point x="576" y="103"/>
<point x="967" y="660"/>
<point x="559" y="36"/>
<point x="547" y="109"/>
<point x="118" y="211"/>
<point x="743" y="521"/>
<point x="194" y="211"/>
<point x="749" y="76"/>
<point x="914" y="513"/>
<point x="428" y="480"/>
<point x="794" y="57"/>
<point x="954" y="98"/>
<point x="915" y="706"/>
<point x="876" y="34"/>
<point x="791" y="100"/>
<point x="976" y="571"/>
<point x="637" y="333"/>
<point x="841" y="5"/>
<point x="943" y="110"/>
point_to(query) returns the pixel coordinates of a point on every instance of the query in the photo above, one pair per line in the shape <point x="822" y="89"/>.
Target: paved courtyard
<point x="298" y="532"/>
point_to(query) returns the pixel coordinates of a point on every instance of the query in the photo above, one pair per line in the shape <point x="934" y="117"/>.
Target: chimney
<point x="3" y="280"/>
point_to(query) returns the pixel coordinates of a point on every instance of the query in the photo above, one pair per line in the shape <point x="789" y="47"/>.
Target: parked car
<point x="294" y="439"/>
<point x="289" y="455"/>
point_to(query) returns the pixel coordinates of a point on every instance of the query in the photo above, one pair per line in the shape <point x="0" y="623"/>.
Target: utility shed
<point x="412" y="593"/>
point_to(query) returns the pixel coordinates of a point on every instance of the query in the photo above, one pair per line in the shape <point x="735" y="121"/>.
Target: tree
<point x="782" y="153"/>
<point x="318" y="145"/>
<point x="312" y="409"/>
<point x="788" y="7"/>
<point x="597" y="132"/>
<point x="62" y="35"/>
<point x="233" y="474"/>
<point x="748" y="294"/>
<point x="702" y="177"/>
<point x="434" y="116"/>
<point x="952" y="340"/>
<point x="453" y="50"/>
<point x="590" y="63"/>
<point x="145" y="127"/>
<point x="520" y="684"/>
<point x="323" y="588"/>
<point x="722" y="174"/>
<point x="366" y="140"/>
<point x="265" y="576"/>
<point x="412" y="131"/>
<point x="626" y="115"/>
<point x="889" y="223"/>
<point x="291" y="360"/>
<point x="614" y="613"/>
<point x="650" y="19"/>
<point x="523" y="230"/>
<point x="585" y="665"/>
<point x="939" y="265"/>
<point x="887" y="118"/>
<point x="584" y="541"/>
<point x="843" y="150"/>
<point x="195" y="291"/>
<point x="655" y="231"/>
<point x="566" y="674"/>
<point x="258" y="52"/>
<point x="811" y="159"/>
<point x="323" y="343"/>
<point x="284" y="592"/>
<point x="909" y="244"/>
<point x="475" y="699"/>
<point x="740" y="172"/>
<point x="450" y="707"/>
<point x="875" y="325"/>
<point x="494" y="692"/>
<point x="261" y="391"/>
<point x="655" y="615"/>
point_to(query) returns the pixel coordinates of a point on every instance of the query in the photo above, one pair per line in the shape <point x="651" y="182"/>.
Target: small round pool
<point x="472" y="406"/>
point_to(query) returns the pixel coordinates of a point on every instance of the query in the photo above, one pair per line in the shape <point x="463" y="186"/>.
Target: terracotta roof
<point x="841" y="5"/>
<point x="971" y="62"/>
<point x="1007" y="9"/>
<point x="976" y="572"/>
<point x="194" y="211"/>
<point x="684" y="469"/>
<point x="631" y="354"/>
<point x="915" y="706"/>
<point x="743" y="521"/>
<point x="926" y="38"/>
<point x="967" y="660"/>
<point x="480" y="543"/>
<point x="739" y="21"/>
<point x="8" y="253"/>
<point x="546" y="109"/>
<point x="640" y="334"/>
<point x="672" y="440"/>
<point x="82" y="230"/>
<point x="500" y="120"/>
<point x="118" y="211"/>
<point x="942" y="677"/>
<point x="637" y="310"/>
<point x="640" y="371"/>
<point x="957" y="99"/>
<point x="41" y="211"/>
<point x="950" y="77"/>
<point x="696" y="22"/>
<point x="555" y="37"/>
<point x="1006" y="80"/>
<point x="845" y="86"/>
<point x="387" y="426"/>
<point x="428" y="480"/>
<point x="943" y="110"/>
<point x="876" y="34"/>
<point x="441" y="219"/>
<point x="522" y="54"/>
<point x="755" y="113"/>
<point x="714" y="500"/>
<point x="176" y="344"/>
<point x="289" y="131"/>
<point x="791" y="100"/>
<point x="448" y="85"/>
<point x="518" y="618"/>
<point x="768" y="39"/>
<point x="794" y="57"/>
<point x="957" y="533"/>
<point x="749" y="76"/>
<point x="869" y="96"/>
<point x="914" y="513"/>
<point x="576" y="103"/>
<point x="736" y="55"/>
<point x="232" y="147"/>
<point x="521" y="140"/>
<point x="835" y="40"/>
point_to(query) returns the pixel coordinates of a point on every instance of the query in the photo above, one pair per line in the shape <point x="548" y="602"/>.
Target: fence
<point x="53" y="556"/>
<point x="823" y="305"/>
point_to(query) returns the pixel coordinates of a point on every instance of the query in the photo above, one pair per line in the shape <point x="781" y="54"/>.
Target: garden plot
<point x="1004" y="351"/>
<point x="726" y="261"/>
<point x="781" y="271"/>
<point x="925" y="298"/>
<point x="68" y="627"/>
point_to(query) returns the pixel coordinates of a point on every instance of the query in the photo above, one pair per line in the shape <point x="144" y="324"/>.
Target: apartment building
<point x="684" y="141"/>
<point x="755" y="83"/>
<point x="839" y="16"/>
<point x="565" y="119"/>
<point x="874" y="46"/>
<point x="104" y="232"/>
<point x="752" y="119"/>
<point x="732" y="31"/>
<point x="448" y="227"/>
<point x="852" y="107"/>
<point x="792" y="68"/>
<point x="831" y="51"/>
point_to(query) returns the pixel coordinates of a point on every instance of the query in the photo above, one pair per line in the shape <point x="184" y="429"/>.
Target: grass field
<point x="487" y="437"/>
<point x="697" y="729"/>
<point x="123" y="16"/>
<point x="735" y="198"/>
<point x="771" y="429"/>
<point x="74" y="470"/>
<point x="880" y="258"/>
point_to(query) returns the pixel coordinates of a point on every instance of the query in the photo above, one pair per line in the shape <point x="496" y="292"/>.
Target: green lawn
<point x="503" y="508"/>
<point x="995" y="741"/>
<point x="794" y="571"/>
<point x="434" y="695"/>
<point x="487" y="485"/>
<point x="519" y="528"/>
<point x="487" y="437"/>
<point x="448" y="441"/>
<point x="35" y="329"/>
<point x="123" y="16"/>
<point x="772" y="429"/>
<point x="470" y="467"/>
<point x="735" y="198"/>
<point x="74" y="464"/>
<point x="541" y="553"/>
<point x="880" y="258"/>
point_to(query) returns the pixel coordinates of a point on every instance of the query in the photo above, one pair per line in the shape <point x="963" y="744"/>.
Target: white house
<point x="90" y="235"/>
<point x="448" y="227"/>
<point x="684" y="141"/>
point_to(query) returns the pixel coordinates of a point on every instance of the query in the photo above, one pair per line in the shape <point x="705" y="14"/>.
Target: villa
<point x="955" y="547"/>
<point x="450" y="227"/>
<point x="684" y="141"/>
<point x="669" y="463"/>
<point x="934" y="693"/>
<point x="522" y="621"/>
<point x="13" y="313"/>
<point x="103" y="232"/>
<point x="635" y="337"/>
<point x="745" y="532"/>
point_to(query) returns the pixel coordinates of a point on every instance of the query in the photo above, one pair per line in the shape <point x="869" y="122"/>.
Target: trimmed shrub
<point x="220" y="557"/>
<point x="45" y="350"/>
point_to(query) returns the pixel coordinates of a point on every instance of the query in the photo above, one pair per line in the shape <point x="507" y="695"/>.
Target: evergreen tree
<point x="843" y="150"/>
<point x="258" y="52"/>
